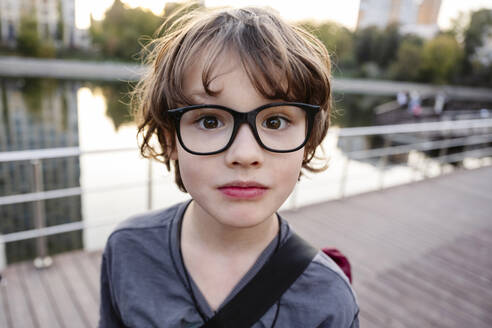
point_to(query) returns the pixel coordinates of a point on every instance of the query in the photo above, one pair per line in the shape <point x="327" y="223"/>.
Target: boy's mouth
<point x="243" y="189"/>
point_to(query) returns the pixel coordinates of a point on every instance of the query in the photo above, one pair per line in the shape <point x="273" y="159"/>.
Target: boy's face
<point x="244" y="185"/>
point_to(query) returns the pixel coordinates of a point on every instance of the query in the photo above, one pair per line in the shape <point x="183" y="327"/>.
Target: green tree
<point x="480" y="21"/>
<point x="387" y="46"/>
<point x="409" y="58"/>
<point x="476" y="72"/>
<point x="441" y="58"/>
<point x="60" y="26"/>
<point x="28" y="41"/>
<point x="367" y="44"/>
<point x="117" y="102"/>
<point x="123" y="31"/>
<point x="337" y="39"/>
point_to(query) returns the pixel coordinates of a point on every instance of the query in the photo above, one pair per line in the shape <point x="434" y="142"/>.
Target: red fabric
<point x="339" y="259"/>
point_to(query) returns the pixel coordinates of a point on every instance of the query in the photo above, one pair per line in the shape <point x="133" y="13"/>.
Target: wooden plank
<point x="464" y="273"/>
<point x="453" y="287"/>
<point x="464" y="265"/>
<point x="20" y="311"/>
<point x="419" y="303"/>
<point x="354" y="227"/>
<point x="367" y="319"/>
<point x="88" y="272"/>
<point x="474" y="182"/>
<point x="79" y="290"/>
<point x="474" y="248"/>
<point x="65" y="307"/>
<point x="414" y="306"/>
<point x="39" y="298"/>
<point x="385" y="304"/>
<point x="458" y="308"/>
<point x="469" y="290"/>
<point x="96" y="258"/>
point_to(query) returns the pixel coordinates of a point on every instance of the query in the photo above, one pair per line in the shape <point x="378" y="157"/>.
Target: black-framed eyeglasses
<point x="277" y="127"/>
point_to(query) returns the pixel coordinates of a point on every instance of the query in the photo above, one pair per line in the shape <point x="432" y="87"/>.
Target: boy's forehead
<point x="226" y="63"/>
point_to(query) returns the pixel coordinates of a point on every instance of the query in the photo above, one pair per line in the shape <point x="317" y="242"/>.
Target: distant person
<point x="237" y="101"/>
<point x="440" y="103"/>
<point x="402" y="98"/>
<point x="414" y="105"/>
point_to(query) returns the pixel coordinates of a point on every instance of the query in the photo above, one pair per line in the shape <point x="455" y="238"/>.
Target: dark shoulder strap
<point x="266" y="287"/>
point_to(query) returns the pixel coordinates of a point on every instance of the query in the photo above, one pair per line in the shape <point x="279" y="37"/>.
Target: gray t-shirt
<point x="144" y="282"/>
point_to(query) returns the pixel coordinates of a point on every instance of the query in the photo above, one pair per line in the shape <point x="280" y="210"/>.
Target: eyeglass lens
<point x="280" y="128"/>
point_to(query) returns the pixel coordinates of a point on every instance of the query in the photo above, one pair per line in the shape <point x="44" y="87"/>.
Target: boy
<point x="238" y="100"/>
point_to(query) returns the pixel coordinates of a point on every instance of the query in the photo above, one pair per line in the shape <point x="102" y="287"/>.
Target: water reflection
<point x="117" y="99"/>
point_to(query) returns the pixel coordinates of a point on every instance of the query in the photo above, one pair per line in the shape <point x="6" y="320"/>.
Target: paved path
<point x="111" y="71"/>
<point x="420" y="255"/>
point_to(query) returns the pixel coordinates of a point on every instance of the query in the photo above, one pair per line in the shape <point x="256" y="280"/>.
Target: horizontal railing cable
<point x="415" y="127"/>
<point x="48" y="153"/>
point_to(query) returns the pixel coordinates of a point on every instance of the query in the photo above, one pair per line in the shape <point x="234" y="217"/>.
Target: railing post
<point x="149" y="185"/>
<point x="42" y="260"/>
<point x="343" y="178"/>
<point x="3" y="260"/>
<point x="382" y="163"/>
<point x="442" y="152"/>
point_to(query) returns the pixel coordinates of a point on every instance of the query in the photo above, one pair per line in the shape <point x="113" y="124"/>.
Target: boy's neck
<point x="205" y="231"/>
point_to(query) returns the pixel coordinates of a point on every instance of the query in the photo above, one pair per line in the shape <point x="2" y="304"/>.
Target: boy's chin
<point x="242" y="215"/>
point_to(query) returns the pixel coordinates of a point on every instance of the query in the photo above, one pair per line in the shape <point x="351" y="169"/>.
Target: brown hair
<point x="282" y="61"/>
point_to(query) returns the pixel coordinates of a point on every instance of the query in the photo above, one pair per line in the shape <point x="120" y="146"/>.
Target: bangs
<point x="279" y="63"/>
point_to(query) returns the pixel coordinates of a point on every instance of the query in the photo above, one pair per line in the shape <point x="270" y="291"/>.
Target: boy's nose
<point x="245" y="150"/>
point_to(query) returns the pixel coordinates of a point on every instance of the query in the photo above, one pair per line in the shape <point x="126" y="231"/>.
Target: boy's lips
<point x="243" y="189"/>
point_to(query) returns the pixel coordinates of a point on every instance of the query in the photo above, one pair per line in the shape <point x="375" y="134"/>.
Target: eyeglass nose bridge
<point x="248" y="118"/>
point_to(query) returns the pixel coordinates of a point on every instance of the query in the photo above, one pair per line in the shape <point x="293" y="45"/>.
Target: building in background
<point x="413" y="16"/>
<point x="10" y="12"/>
<point x="55" y="20"/>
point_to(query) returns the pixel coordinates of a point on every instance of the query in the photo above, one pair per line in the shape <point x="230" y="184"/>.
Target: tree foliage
<point x="123" y="31"/>
<point x="28" y="41"/>
<point x="475" y="71"/>
<point x="450" y="57"/>
<point x="408" y="61"/>
<point x="441" y="59"/>
<point x="337" y="39"/>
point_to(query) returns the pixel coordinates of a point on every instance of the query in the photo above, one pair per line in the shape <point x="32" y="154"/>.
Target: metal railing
<point x="479" y="132"/>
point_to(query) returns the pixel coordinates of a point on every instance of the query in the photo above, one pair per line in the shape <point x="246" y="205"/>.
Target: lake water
<point x="39" y="114"/>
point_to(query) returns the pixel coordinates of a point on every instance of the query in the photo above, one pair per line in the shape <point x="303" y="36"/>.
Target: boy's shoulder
<point x="325" y="283"/>
<point x="328" y="266"/>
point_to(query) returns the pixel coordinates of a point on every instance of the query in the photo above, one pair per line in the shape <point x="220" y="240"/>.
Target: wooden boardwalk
<point x="421" y="256"/>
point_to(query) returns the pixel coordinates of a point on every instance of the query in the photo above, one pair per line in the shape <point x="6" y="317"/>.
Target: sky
<point x="344" y="12"/>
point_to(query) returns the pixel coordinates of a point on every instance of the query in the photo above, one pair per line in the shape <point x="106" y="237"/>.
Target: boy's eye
<point x="275" y="123"/>
<point x="209" y="122"/>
